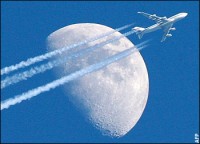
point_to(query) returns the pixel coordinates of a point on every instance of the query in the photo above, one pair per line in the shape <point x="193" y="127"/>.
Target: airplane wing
<point x="166" y="32"/>
<point x="157" y="19"/>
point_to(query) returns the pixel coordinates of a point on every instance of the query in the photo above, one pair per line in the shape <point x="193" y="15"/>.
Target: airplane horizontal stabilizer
<point x="139" y="31"/>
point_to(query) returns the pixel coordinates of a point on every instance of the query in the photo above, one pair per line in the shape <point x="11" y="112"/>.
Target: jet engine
<point x="152" y="16"/>
<point x="168" y="35"/>
<point x="173" y="29"/>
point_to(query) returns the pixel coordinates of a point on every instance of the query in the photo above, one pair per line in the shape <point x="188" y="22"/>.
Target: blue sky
<point x="172" y="110"/>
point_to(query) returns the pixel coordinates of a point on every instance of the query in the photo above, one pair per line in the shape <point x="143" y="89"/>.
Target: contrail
<point x="52" y="85"/>
<point x="39" y="58"/>
<point x="42" y="68"/>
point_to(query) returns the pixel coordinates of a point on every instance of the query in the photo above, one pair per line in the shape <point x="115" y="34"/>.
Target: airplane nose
<point x="184" y="14"/>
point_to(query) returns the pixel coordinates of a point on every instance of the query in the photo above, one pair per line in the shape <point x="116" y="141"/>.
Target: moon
<point x="113" y="98"/>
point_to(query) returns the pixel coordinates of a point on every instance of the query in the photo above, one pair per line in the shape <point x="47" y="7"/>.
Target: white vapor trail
<point x="42" y="68"/>
<point x="52" y="85"/>
<point x="39" y="58"/>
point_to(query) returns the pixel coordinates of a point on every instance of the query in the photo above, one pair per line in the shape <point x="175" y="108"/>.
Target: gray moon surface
<point x="113" y="98"/>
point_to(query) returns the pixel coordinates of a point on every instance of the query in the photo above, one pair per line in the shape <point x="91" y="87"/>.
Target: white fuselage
<point x="170" y="20"/>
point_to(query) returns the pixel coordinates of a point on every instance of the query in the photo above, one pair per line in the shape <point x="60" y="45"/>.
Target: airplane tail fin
<point x="139" y="31"/>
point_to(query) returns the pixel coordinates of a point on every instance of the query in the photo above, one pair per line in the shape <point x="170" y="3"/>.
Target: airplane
<point x="161" y="23"/>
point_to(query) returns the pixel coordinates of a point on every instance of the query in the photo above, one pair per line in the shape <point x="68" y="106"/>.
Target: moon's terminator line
<point x="52" y="85"/>
<point x="40" y="58"/>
